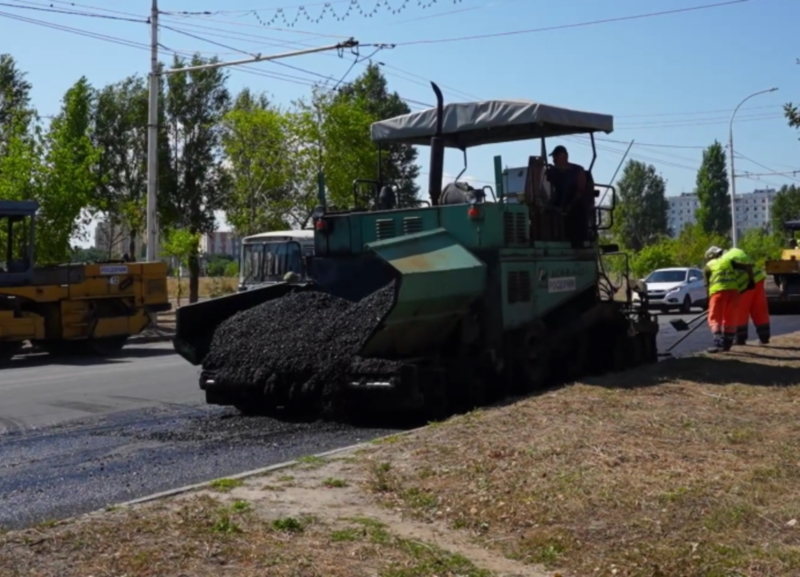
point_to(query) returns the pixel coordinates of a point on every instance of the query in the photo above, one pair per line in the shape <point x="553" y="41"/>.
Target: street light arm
<point x="746" y="98"/>
<point x="733" y="173"/>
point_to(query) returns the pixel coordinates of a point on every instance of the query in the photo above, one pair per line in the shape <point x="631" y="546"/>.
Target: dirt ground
<point x="208" y="287"/>
<point x="687" y="468"/>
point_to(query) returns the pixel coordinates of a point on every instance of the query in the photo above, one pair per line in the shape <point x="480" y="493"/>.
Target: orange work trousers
<point x="722" y="317"/>
<point x="753" y="305"/>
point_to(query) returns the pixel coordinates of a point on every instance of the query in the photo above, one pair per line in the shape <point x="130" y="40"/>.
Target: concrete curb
<point x="260" y="471"/>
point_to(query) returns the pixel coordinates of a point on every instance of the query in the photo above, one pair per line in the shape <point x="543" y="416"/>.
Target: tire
<point x="686" y="308"/>
<point x="106" y="346"/>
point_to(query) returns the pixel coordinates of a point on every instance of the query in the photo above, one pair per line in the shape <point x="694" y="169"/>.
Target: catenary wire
<point x="573" y="25"/>
<point x="306" y="82"/>
<point x="41" y="8"/>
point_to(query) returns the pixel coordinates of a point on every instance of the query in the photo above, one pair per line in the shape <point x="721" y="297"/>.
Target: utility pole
<point x="152" y="122"/>
<point x="734" y="235"/>
<point x="152" y="140"/>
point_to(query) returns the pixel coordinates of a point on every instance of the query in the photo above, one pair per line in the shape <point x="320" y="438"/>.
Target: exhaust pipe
<point x="437" y="151"/>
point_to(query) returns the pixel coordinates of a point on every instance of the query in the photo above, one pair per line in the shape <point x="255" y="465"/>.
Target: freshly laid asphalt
<point x="79" y="435"/>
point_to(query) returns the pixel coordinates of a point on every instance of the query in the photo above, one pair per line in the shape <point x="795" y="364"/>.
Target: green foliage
<point x="714" y="214"/>
<point x="120" y="132"/>
<point x="232" y="269"/>
<point x="68" y="180"/>
<point x="691" y="244"/>
<point x="687" y="249"/>
<point x="398" y="161"/>
<point x="652" y="257"/>
<point x="196" y="104"/>
<point x="181" y="244"/>
<point x="216" y="266"/>
<point x="14" y="100"/>
<point x="258" y="144"/>
<point x="336" y="136"/>
<point x="786" y="206"/>
<point x="761" y="245"/>
<point x="641" y="215"/>
<point x="87" y="255"/>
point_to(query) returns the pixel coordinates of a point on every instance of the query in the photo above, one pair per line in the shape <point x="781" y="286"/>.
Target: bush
<point x="761" y="245"/>
<point x="232" y="269"/>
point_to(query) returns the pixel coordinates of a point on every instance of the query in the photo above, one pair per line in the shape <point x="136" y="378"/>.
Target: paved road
<point x="38" y="390"/>
<point x="79" y="435"/>
<point x="701" y="338"/>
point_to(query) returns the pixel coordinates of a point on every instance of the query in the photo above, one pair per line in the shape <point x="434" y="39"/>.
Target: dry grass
<point x="209" y="286"/>
<point x="204" y="536"/>
<point x="687" y="468"/>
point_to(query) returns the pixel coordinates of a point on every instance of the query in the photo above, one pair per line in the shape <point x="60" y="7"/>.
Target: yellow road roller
<point x="72" y="308"/>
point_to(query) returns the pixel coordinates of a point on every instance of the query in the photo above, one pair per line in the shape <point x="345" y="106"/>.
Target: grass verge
<point x="203" y="536"/>
<point x="688" y="468"/>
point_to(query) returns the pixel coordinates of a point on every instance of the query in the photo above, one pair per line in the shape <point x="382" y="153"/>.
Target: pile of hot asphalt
<point x="299" y="347"/>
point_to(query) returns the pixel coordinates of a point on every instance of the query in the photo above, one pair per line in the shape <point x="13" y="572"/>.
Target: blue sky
<point x="671" y="81"/>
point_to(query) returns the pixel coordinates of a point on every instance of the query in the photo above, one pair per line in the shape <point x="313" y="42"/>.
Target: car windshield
<point x="265" y="261"/>
<point x="666" y="276"/>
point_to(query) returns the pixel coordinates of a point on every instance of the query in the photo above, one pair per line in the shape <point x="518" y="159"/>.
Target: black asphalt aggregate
<point x="75" y="436"/>
<point x="83" y="466"/>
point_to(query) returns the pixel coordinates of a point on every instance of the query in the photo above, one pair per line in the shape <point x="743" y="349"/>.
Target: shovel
<point x="668" y="352"/>
<point x="682" y="325"/>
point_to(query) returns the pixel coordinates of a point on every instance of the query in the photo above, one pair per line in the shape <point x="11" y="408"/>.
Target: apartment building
<point x="114" y="239"/>
<point x="222" y="243"/>
<point x="752" y="209"/>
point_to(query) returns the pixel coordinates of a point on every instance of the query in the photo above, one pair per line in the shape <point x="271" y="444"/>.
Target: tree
<point x="183" y="246"/>
<point x="15" y="110"/>
<point x="67" y="180"/>
<point x="258" y="149"/>
<point x="690" y="247"/>
<point x="714" y="214"/>
<point x="120" y="132"/>
<point x="641" y="216"/>
<point x="398" y="161"/>
<point x="786" y="206"/>
<point x="333" y="136"/>
<point x="760" y="245"/>
<point x="196" y="104"/>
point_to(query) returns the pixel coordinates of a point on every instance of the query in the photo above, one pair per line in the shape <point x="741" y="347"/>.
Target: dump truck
<point x="783" y="294"/>
<point x="489" y="296"/>
<point x="77" y="308"/>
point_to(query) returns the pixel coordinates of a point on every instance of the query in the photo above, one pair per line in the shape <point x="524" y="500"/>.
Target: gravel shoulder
<point x="686" y="468"/>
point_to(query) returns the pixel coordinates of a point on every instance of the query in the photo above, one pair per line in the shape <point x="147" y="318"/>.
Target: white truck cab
<point x="267" y="257"/>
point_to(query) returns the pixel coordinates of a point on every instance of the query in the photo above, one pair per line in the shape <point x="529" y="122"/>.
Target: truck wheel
<point x="105" y="346"/>
<point x="686" y="307"/>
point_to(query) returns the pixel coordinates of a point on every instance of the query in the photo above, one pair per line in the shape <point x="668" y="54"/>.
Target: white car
<point x="675" y="289"/>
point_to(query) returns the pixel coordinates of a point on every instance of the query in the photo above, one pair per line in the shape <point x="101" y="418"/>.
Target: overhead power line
<point x="77" y="5"/>
<point x="310" y="82"/>
<point x="574" y="25"/>
<point x="78" y="31"/>
<point x="40" y="8"/>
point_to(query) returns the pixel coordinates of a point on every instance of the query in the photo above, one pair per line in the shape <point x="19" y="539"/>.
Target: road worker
<point x="723" y="297"/>
<point x="569" y="195"/>
<point x="752" y="300"/>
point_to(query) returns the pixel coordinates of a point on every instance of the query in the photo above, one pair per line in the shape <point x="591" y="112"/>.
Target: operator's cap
<point x="713" y="252"/>
<point x="558" y="150"/>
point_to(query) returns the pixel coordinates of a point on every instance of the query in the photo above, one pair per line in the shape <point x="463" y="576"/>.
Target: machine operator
<point x="568" y="182"/>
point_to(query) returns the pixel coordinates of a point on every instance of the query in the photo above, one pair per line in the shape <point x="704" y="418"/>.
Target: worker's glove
<point x="750" y="285"/>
